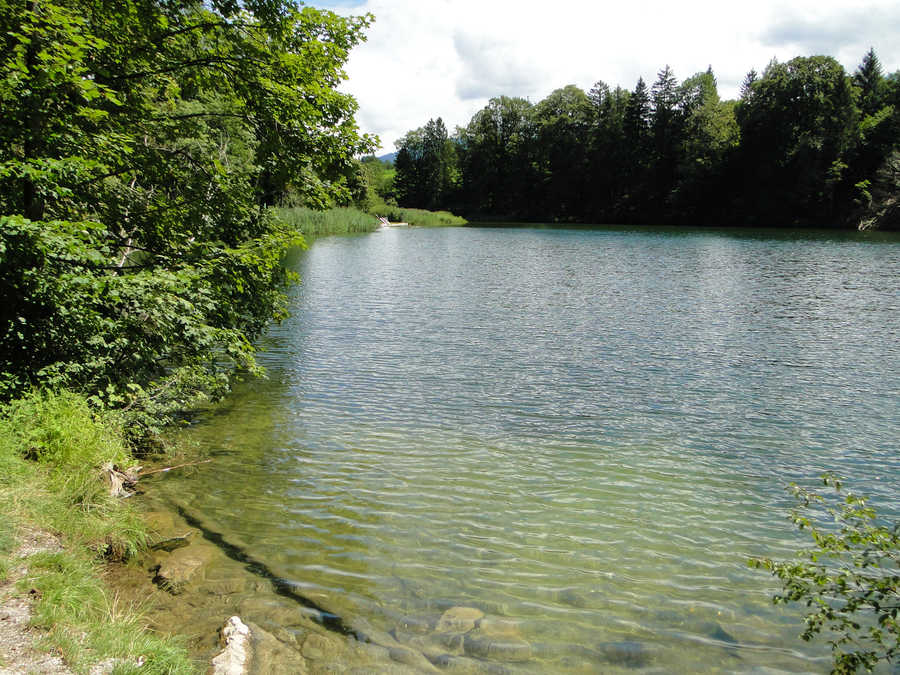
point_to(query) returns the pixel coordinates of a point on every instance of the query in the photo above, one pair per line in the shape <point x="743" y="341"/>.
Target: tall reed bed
<point x="343" y="220"/>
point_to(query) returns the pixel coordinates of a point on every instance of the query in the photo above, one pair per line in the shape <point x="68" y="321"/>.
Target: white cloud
<point x="443" y="58"/>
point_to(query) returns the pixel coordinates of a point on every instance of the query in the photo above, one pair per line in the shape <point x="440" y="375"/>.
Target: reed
<point x="419" y="217"/>
<point x="343" y="220"/>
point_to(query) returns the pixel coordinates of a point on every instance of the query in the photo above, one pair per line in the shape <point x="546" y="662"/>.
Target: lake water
<point x="585" y="434"/>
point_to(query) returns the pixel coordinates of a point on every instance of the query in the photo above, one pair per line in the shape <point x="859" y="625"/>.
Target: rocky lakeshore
<point x="238" y="616"/>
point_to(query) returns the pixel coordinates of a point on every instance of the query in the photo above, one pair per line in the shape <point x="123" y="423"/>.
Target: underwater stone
<point x="502" y="648"/>
<point x="497" y="626"/>
<point x="183" y="565"/>
<point x="628" y="653"/>
<point x="458" y="620"/>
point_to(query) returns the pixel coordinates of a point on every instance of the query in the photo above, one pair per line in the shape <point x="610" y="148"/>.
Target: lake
<point x="582" y="433"/>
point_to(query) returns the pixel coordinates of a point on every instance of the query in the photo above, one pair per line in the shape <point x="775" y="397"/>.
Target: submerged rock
<point x="498" y="627"/>
<point x="462" y="665"/>
<point x="411" y="657"/>
<point x="716" y="632"/>
<point x="573" y="598"/>
<point x="458" y="620"/>
<point x="178" y="569"/>
<point x="270" y="655"/>
<point x="317" y="647"/>
<point x="628" y="653"/>
<point x="483" y="645"/>
<point x="415" y="625"/>
<point x="172" y="543"/>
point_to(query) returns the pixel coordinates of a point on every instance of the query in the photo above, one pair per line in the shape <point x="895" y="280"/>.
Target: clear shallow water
<point x="587" y="432"/>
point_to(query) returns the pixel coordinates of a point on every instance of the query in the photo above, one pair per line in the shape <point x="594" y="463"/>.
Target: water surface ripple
<point x="586" y="432"/>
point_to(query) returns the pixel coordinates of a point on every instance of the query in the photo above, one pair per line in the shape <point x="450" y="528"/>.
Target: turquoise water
<point x="584" y="432"/>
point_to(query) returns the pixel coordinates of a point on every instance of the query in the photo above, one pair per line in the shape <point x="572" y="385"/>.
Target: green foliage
<point x="7" y="541"/>
<point x="61" y="432"/>
<point x="141" y="144"/>
<point x="796" y="122"/>
<point x="849" y="581"/>
<point x="52" y="449"/>
<point x="791" y="151"/>
<point x="314" y="223"/>
<point x="426" y="167"/>
<point x="421" y="217"/>
<point x="561" y="122"/>
<point x="495" y="157"/>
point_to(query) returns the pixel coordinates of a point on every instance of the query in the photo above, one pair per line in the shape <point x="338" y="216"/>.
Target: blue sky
<point x="446" y="58"/>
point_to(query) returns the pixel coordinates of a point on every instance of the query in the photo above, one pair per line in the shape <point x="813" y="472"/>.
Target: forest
<point x="806" y="144"/>
<point x="142" y="146"/>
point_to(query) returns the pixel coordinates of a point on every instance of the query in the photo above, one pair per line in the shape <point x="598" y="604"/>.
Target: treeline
<point x="142" y="144"/>
<point x="806" y="144"/>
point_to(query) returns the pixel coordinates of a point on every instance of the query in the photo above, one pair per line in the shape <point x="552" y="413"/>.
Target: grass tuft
<point x="85" y="626"/>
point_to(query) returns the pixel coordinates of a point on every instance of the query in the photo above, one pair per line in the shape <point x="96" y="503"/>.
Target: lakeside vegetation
<point x="143" y="151"/>
<point x="342" y="220"/>
<point x="806" y="144"/>
<point x="143" y="146"/>
<point x="350" y="220"/>
<point x="53" y="450"/>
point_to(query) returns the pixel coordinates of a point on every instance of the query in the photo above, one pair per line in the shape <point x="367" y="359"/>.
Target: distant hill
<point x="388" y="158"/>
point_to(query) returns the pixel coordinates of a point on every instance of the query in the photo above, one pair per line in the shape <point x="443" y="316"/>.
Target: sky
<point x="425" y="59"/>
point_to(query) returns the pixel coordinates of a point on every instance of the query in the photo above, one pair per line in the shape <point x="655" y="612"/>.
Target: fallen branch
<point x="169" y="468"/>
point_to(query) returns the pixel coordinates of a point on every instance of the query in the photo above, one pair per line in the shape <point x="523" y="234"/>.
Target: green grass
<point x="350" y="221"/>
<point x="52" y="449"/>
<point x="7" y="542"/>
<point x="420" y="217"/>
<point x="313" y="223"/>
<point x="86" y="626"/>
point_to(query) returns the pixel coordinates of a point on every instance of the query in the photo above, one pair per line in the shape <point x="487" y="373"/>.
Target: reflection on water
<point x="582" y="433"/>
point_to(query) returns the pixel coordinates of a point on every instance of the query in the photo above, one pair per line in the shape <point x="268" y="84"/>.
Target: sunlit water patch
<point x="584" y="435"/>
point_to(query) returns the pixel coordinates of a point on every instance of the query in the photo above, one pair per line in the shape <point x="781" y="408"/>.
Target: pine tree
<point x="870" y="80"/>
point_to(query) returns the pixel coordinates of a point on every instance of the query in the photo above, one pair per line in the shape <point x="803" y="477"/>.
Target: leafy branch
<point x="849" y="581"/>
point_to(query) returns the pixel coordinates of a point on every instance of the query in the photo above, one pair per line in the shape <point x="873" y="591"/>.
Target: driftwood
<point x="169" y="468"/>
<point x="120" y="482"/>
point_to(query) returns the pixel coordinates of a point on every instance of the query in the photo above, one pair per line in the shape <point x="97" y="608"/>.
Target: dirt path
<point x="18" y="655"/>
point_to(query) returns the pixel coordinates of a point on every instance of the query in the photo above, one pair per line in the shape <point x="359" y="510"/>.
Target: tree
<point x="637" y="117"/>
<point x="797" y="123"/>
<point x="495" y="150"/>
<point x="667" y="126"/>
<point x="561" y="123"/>
<point x="870" y="80"/>
<point x="608" y="150"/>
<point x="426" y="167"/>
<point x="708" y="141"/>
<point x="849" y="581"/>
<point x="379" y="181"/>
<point x="638" y="140"/>
<point x="140" y="145"/>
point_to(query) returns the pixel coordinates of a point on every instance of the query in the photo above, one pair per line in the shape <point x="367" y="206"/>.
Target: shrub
<point x="849" y="581"/>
